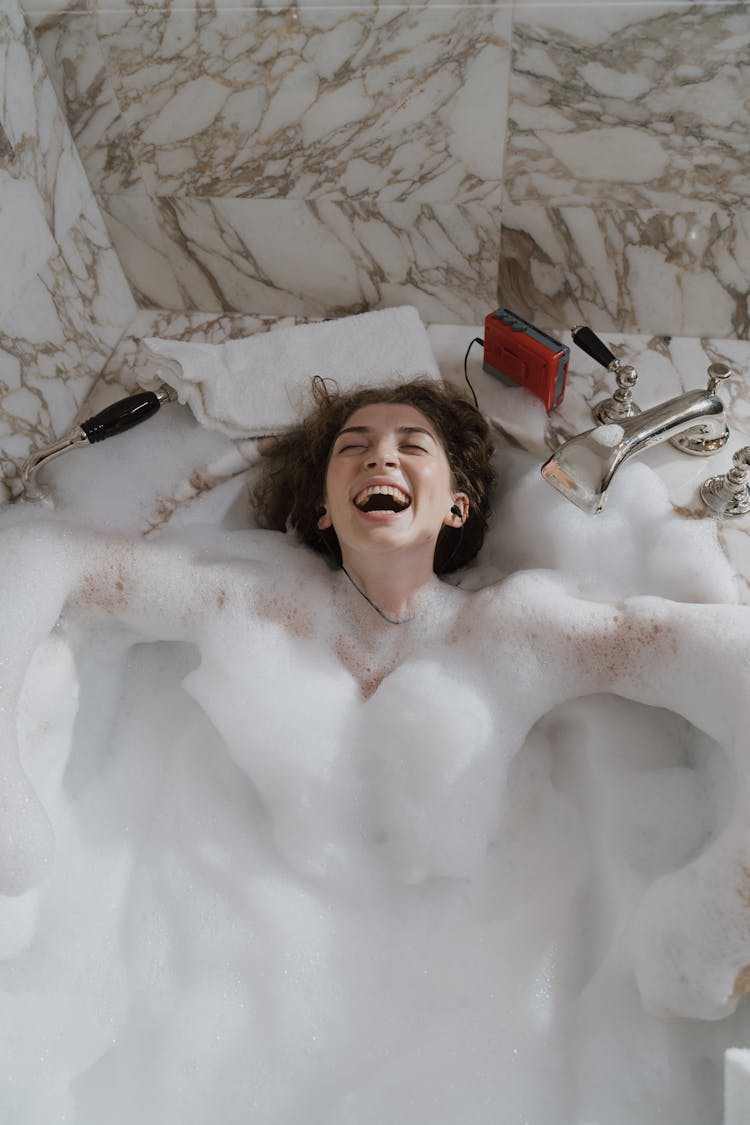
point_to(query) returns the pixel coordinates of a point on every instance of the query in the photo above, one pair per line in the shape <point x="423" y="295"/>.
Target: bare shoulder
<point x="207" y="577"/>
<point x="532" y="600"/>
<point x="162" y="588"/>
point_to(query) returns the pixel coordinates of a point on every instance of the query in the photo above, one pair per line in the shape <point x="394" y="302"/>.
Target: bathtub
<point x="427" y="905"/>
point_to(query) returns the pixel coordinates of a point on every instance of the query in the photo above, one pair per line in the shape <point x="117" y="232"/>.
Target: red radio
<point x="517" y="352"/>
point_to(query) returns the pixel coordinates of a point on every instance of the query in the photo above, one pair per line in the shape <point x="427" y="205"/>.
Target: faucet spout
<point x="582" y="468"/>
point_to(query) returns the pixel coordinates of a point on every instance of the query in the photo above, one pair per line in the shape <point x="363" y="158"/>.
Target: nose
<point x="384" y="452"/>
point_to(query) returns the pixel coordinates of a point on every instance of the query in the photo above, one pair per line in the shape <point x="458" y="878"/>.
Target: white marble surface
<point x="620" y="192"/>
<point x="64" y="300"/>
<point x="311" y="103"/>
<point x="330" y="258"/>
<point x="636" y="105"/>
<point x="77" y="66"/>
<point x="626" y="167"/>
<point x="689" y="270"/>
<point x="350" y="130"/>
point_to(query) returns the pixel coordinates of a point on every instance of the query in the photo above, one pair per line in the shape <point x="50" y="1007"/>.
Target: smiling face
<point x="388" y="483"/>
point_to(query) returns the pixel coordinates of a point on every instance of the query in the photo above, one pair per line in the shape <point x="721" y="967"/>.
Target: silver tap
<point x="621" y="404"/>
<point x="113" y="419"/>
<point x="32" y="488"/>
<point x="583" y="467"/>
<point x="729" y="494"/>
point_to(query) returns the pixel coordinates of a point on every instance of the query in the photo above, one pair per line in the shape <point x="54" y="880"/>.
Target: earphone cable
<point x="476" y="340"/>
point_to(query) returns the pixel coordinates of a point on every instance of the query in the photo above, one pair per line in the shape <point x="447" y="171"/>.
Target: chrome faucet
<point x="113" y="419"/>
<point x="583" y="467"/>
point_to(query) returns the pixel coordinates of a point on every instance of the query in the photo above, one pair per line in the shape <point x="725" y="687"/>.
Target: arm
<point x="551" y="645"/>
<point x="691" y="931"/>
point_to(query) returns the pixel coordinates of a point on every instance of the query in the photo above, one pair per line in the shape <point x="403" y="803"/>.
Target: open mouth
<point x="382" y="498"/>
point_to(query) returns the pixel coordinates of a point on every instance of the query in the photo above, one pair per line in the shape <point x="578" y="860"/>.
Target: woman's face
<point x="388" y="482"/>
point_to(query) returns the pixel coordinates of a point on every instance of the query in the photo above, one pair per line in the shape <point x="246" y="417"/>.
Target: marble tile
<point x="625" y="270"/>
<point x="7" y="152"/>
<point x="64" y="300"/>
<point x="46" y="173"/>
<point x="134" y="226"/>
<point x="51" y="353"/>
<point x="75" y="62"/>
<point x="29" y="111"/>
<point x="273" y="5"/>
<point x="49" y="7"/>
<point x="636" y="105"/>
<point x="314" y="103"/>
<point x="628" y="112"/>
<point x="26" y="239"/>
<point x="289" y="257"/>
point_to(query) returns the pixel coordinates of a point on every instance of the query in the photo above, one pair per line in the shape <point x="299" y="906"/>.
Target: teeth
<point x="381" y="490"/>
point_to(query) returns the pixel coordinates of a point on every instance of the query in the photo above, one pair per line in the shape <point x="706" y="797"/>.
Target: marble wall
<point x="627" y="167"/>
<point x="64" y="299"/>
<point x="304" y="160"/>
<point x="580" y="162"/>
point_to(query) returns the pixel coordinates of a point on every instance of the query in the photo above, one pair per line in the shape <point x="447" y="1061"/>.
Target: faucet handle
<point x="590" y="343"/>
<point x="621" y="404"/>
<point x="729" y="495"/>
<point x="717" y="373"/>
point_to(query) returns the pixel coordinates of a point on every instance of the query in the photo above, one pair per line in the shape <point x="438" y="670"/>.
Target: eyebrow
<point x="399" y="430"/>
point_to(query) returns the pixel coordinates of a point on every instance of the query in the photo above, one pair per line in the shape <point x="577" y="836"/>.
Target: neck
<point x="391" y="590"/>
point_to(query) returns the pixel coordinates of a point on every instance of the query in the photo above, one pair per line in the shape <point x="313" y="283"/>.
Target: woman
<point x="393" y="487"/>
<point x="394" y="484"/>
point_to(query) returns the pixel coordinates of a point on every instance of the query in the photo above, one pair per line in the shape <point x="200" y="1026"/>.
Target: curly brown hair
<point x="293" y="479"/>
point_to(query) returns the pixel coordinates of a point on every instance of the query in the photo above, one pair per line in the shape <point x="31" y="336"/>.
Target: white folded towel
<point x="261" y="385"/>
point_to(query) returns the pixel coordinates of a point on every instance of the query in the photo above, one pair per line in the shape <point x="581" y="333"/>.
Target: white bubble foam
<point x="609" y="436"/>
<point x="301" y="877"/>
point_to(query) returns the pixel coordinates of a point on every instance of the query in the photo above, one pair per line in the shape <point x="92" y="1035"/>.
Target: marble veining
<point x="352" y="129"/>
<point x="646" y="109"/>
<point x="64" y="300"/>
<point x="312" y="103"/>
<point x="141" y="240"/>
<point x="327" y="258"/>
<point x="7" y="152"/>
<point x="618" y="197"/>
<point x="613" y="267"/>
<point x="76" y="63"/>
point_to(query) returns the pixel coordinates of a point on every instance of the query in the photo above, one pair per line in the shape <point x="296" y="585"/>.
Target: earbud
<point x="322" y="511"/>
<point x="455" y="510"/>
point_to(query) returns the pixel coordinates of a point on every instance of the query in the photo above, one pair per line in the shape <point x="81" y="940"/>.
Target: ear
<point x="324" y="520"/>
<point x="460" y="501"/>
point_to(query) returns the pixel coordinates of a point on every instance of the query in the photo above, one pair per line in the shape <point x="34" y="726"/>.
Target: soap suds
<point x="609" y="436"/>
<point x="302" y="877"/>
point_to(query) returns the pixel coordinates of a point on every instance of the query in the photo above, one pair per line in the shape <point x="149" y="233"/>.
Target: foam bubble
<point x="609" y="436"/>
<point x="403" y="897"/>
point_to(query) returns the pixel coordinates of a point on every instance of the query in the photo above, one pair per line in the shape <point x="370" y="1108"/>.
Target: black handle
<point x="590" y="343"/>
<point x="121" y="415"/>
